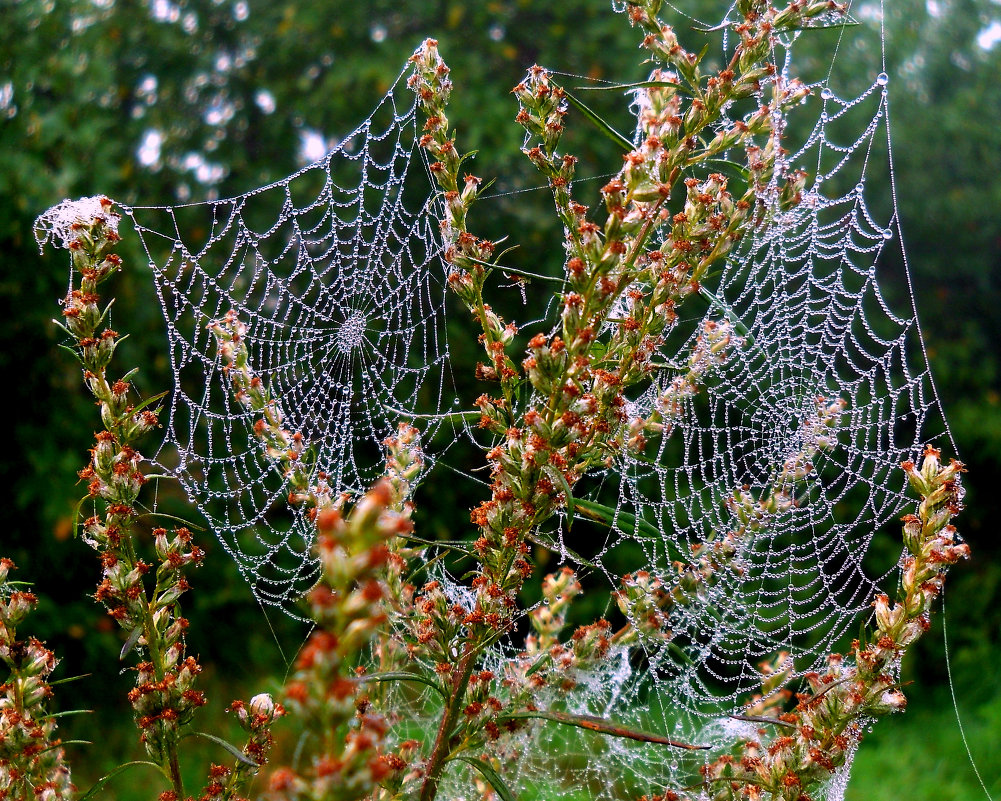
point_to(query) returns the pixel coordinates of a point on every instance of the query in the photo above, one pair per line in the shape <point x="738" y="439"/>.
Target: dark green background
<point x="76" y="118"/>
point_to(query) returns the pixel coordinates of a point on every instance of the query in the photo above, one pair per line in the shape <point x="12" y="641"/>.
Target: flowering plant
<point x="557" y="411"/>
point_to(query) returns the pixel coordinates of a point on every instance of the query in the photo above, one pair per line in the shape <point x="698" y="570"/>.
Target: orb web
<point x="821" y="312"/>
<point x="335" y="272"/>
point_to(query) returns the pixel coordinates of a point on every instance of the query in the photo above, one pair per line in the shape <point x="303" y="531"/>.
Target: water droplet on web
<point x="888" y="233"/>
<point x="351" y="332"/>
<point x="826" y="93"/>
<point x="882" y="79"/>
<point x="674" y="765"/>
<point x="860" y="188"/>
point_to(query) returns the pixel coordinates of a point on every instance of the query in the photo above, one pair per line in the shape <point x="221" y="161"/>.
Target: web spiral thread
<point x="334" y="270"/>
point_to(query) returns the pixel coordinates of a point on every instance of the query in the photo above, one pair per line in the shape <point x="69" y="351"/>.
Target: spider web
<point x="810" y="325"/>
<point x="335" y="272"/>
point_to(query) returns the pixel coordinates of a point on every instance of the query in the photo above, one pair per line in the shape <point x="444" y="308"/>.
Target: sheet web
<point x="335" y="270"/>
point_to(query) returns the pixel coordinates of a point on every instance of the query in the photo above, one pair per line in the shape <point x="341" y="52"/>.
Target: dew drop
<point x="674" y="765"/>
<point x="826" y="93"/>
<point x="860" y="188"/>
<point x="888" y="233"/>
<point x="882" y="79"/>
<point x="351" y="333"/>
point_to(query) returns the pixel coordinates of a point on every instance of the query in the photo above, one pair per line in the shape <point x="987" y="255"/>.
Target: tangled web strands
<point x="334" y="270"/>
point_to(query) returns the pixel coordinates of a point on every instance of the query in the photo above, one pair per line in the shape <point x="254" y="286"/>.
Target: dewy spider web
<point x="813" y="324"/>
<point x="335" y="272"/>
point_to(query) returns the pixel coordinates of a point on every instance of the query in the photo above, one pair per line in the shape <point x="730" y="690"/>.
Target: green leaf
<point x="63" y="328"/>
<point x="540" y="663"/>
<point x="130" y="643"/>
<point x="147" y="402"/>
<point x="550" y="544"/>
<point x="637" y="85"/>
<point x="68" y="712"/>
<point x="165" y="516"/>
<point x="602" y="726"/>
<point x="452" y="545"/>
<point x="565" y="485"/>
<point x="61" y="743"/>
<point x="621" y="521"/>
<point x="228" y="746"/>
<point x="120" y="769"/>
<point x="731" y="167"/>
<point x="491" y="775"/>
<point x="68" y="679"/>
<point x="602" y="126"/>
<point x="68" y="349"/>
<point x="402" y="675"/>
<point x="104" y="314"/>
<point x="722" y="307"/>
<point x="78" y="517"/>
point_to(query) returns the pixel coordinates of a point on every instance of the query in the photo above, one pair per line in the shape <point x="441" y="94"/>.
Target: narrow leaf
<point x="63" y="328"/>
<point x="68" y="712"/>
<point x="540" y="663"/>
<point x="602" y="126"/>
<point x="130" y="643"/>
<point x="602" y="726"/>
<point x="727" y="166"/>
<point x="228" y="746"/>
<point x="175" y="518"/>
<point x="623" y="521"/>
<point x="760" y="719"/>
<point x="147" y="402"/>
<point x="551" y="545"/>
<point x="637" y="85"/>
<point x="565" y="485"/>
<point x="491" y="775"/>
<point x="61" y="743"/>
<point x="68" y="349"/>
<point x="120" y="769"/>
<point x="402" y="675"/>
<point x="68" y="679"/>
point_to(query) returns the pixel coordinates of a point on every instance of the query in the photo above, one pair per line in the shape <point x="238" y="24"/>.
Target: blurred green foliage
<point x="169" y="100"/>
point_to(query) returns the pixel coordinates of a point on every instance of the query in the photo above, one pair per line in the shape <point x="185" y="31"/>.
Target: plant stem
<point x="442" y="748"/>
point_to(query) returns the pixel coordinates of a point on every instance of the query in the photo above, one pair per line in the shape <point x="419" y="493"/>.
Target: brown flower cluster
<point x="799" y="749"/>
<point x="32" y="762"/>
